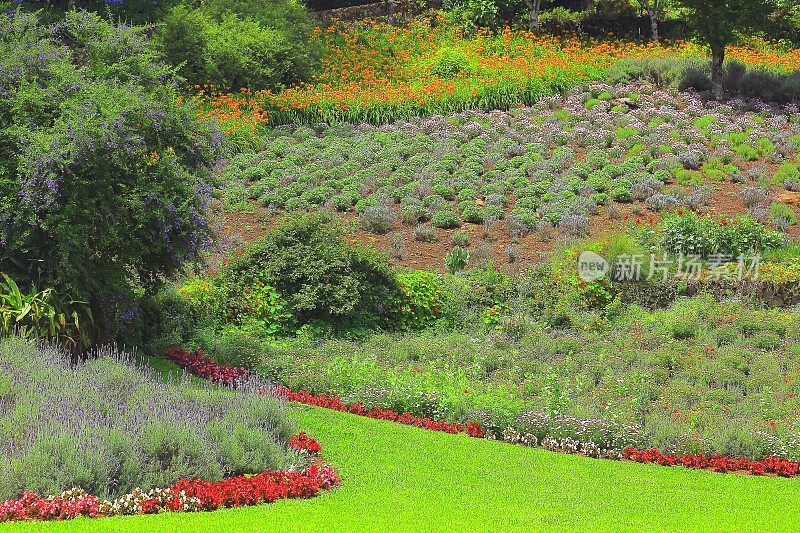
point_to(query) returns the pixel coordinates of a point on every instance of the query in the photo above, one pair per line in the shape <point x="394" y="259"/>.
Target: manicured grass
<point x="403" y="478"/>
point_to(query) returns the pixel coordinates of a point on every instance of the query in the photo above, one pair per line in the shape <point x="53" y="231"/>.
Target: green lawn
<point x="403" y="478"/>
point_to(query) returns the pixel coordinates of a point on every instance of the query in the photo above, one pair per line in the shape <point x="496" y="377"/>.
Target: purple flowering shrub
<point x="104" y="177"/>
<point x="107" y="425"/>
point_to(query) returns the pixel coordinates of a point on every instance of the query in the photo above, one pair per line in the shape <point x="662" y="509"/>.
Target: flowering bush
<point x="423" y="296"/>
<point x="378" y="72"/>
<point x="688" y="233"/>
<point x="103" y="174"/>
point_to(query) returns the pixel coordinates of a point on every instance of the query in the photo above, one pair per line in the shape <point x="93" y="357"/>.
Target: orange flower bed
<point x="377" y="73"/>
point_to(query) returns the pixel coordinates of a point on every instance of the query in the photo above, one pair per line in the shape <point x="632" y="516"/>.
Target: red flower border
<point x="717" y="463"/>
<point x="203" y="366"/>
<point x="473" y="429"/>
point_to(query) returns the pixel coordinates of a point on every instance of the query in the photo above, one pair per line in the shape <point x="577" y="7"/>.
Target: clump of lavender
<point x="107" y="426"/>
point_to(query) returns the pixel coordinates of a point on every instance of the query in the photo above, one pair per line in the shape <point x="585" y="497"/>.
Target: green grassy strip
<point x="399" y="478"/>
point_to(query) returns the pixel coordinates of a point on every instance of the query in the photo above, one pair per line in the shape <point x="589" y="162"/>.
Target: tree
<point x="717" y="23"/>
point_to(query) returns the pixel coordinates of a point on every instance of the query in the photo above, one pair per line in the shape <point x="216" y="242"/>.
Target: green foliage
<point x="264" y="310"/>
<point x="449" y="62"/>
<point x="687" y="177"/>
<point x="235" y="346"/>
<point x="717" y="22"/>
<point x="235" y="45"/>
<point x="445" y="219"/>
<point x="103" y="175"/>
<point x="322" y="276"/>
<point x="422" y="301"/>
<point x="622" y="368"/>
<point x="474" y="14"/>
<point x="39" y="316"/>
<point x="456" y="260"/>
<point x="787" y="172"/>
<point x="782" y="212"/>
<point x="746" y="152"/>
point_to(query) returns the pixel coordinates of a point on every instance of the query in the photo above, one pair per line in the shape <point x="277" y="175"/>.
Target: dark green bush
<point x="235" y="45"/>
<point x="323" y="277"/>
<point x="103" y="175"/>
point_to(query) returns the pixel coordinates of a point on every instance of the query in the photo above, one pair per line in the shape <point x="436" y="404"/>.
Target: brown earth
<point x="237" y="229"/>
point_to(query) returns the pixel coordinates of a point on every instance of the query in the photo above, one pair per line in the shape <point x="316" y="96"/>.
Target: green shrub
<point x="779" y="211"/>
<point x="263" y="309"/>
<point x="236" y="347"/>
<point x="474" y="14"/>
<point x="235" y="45"/>
<point x="323" y="277"/>
<point x="688" y="233"/>
<point x="449" y="62"/>
<point x="687" y="177"/>
<point x="787" y="172"/>
<point x="746" y="152"/>
<point x="456" y="260"/>
<point x="766" y="340"/>
<point x="445" y="219"/>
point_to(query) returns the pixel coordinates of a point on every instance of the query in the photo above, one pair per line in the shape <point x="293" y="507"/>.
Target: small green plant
<point x="264" y="309"/>
<point x="460" y="238"/>
<point x="781" y="212"/>
<point x="449" y="62"/>
<point x="456" y="260"/>
<point x="493" y="316"/>
<point x="787" y="172"/>
<point x="687" y="177"/>
<point x="445" y="219"/>
<point x="747" y="152"/>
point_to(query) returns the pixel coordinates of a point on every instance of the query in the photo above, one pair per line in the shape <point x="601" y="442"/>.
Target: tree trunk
<point x="534" y="6"/>
<point x="654" y="23"/>
<point x="717" y="69"/>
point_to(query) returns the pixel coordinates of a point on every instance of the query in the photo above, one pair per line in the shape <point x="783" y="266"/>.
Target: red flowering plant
<point x="202" y="366"/>
<point x="304" y="443"/>
<point x="768" y="465"/>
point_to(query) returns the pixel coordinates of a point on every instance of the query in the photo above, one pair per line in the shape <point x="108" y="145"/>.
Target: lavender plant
<point x="108" y="425"/>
